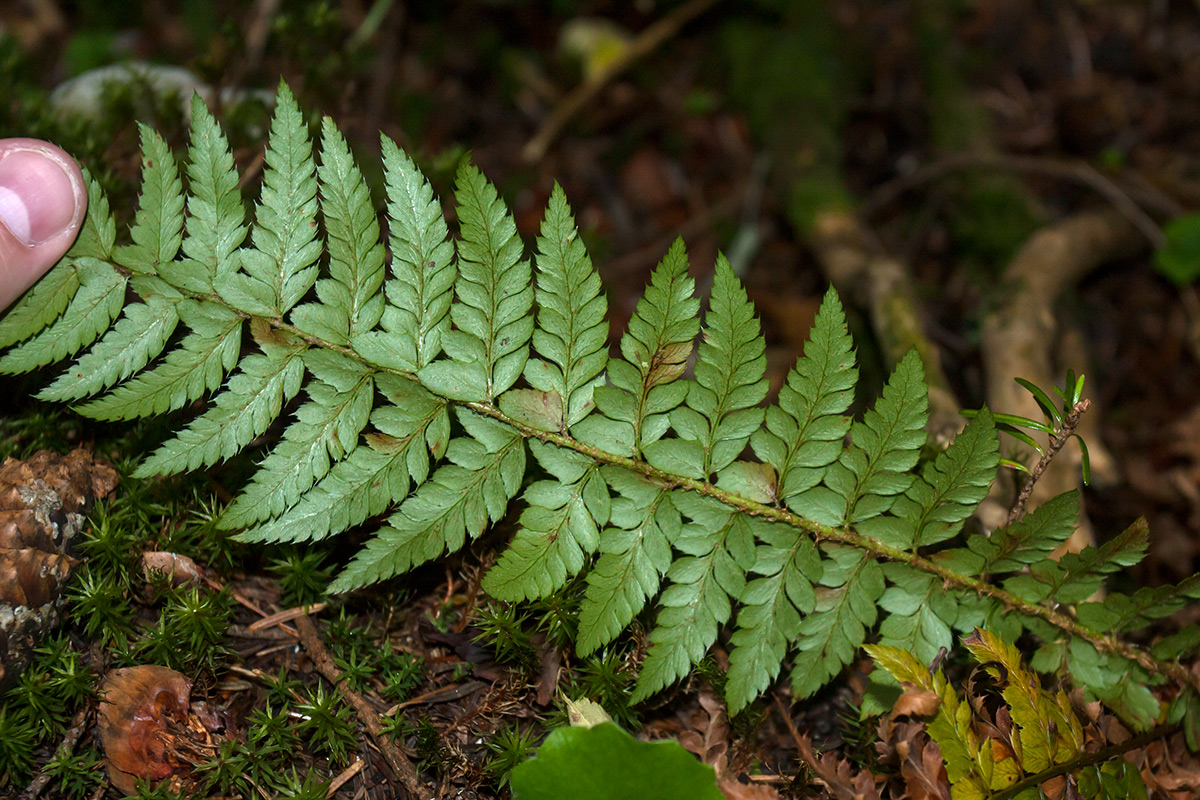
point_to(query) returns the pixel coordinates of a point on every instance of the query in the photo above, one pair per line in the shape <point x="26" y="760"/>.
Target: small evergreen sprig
<point x="421" y="391"/>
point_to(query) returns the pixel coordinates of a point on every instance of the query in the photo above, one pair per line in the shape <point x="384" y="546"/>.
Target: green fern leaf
<point x="98" y="232"/>
<point x="920" y="612"/>
<point x="635" y="553"/>
<point x="157" y="230"/>
<point x="885" y="446"/>
<point x="140" y="335"/>
<point x="410" y="429"/>
<point x="493" y="320"/>
<point x="851" y="585"/>
<point x="571" y="329"/>
<point x="91" y="310"/>
<point x="948" y="491"/>
<point x="252" y="399"/>
<point x="350" y="301"/>
<point x="772" y="609"/>
<point x="417" y="314"/>
<point x="951" y="725"/>
<point x="720" y="414"/>
<point x="656" y="346"/>
<point x="803" y="433"/>
<point x="216" y="224"/>
<point x="41" y="305"/>
<point x="719" y="547"/>
<point x="197" y="365"/>
<point x="325" y="427"/>
<point x="558" y="531"/>
<point x="459" y="499"/>
<point x="1075" y="577"/>
<point x="282" y="263"/>
<point x="1049" y="731"/>
<point x="1030" y="539"/>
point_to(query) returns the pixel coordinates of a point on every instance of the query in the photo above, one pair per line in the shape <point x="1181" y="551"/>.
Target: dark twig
<point x="1087" y="760"/>
<point x="70" y="739"/>
<point x="399" y="763"/>
<point x="642" y="45"/>
<point x="1056" y="443"/>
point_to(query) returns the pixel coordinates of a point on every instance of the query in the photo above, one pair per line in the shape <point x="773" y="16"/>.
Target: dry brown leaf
<point x="835" y="774"/>
<point x="917" y="703"/>
<point x="923" y="770"/>
<point x="733" y="790"/>
<point x="179" y="569"/>
<point x="149" y="731"/>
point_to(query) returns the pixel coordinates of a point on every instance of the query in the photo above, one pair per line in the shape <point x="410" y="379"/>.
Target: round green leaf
<point x="606" y="763"/>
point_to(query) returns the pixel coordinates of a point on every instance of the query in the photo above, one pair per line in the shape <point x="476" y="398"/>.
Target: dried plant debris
<point x="151" y="732"/>
<point x="42" y="505"/>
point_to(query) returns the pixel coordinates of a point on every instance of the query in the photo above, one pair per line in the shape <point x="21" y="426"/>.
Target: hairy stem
<point x="1060" y="437"/>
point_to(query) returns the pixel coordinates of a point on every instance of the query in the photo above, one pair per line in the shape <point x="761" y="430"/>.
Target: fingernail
<point x="37" y="196"/>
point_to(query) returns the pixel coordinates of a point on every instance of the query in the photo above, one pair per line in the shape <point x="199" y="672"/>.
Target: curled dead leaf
<point x="179" y="569"/>
<point x="148" y="729"/>
<point x="916" y="703"/>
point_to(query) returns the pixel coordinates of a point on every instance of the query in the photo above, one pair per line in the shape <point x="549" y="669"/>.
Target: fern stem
<point x="1060" y="437"/>
<point x="1087" y="760"/>
<point x="1105" y="643"/>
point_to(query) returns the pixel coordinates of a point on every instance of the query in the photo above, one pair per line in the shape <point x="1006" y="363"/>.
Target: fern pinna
<point x="425" y="387"/>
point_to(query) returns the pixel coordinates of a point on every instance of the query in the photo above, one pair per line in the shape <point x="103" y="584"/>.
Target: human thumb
<point x="42" y="203"/>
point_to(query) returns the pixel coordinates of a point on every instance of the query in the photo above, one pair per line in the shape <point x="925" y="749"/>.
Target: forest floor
<point x="661" y="151"/>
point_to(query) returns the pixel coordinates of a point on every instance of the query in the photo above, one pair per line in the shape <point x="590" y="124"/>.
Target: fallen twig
<point x="70" y="739"/>
<point x="401" y="766"/>
<point x="642" y="45"/>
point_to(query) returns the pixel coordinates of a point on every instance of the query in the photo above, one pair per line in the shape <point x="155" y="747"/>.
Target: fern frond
<point x="157" y="230"/>
<point x="645" y="386"/>
<point x="558" y="530"/>
<point x="197" y="365"/>
<point x="409" y="430"/>
<point x="806" y="551"/>
<point x="458" y="500"/>
<point x="635" y="553"/>
<point x="493" y="320"/>
<point x="885" y="446"/>
<point x="252" y="399"/>
<point x="851" y="585"/>
<point x="282" y="263"/>
<point x="419" y="294"/>
<point x="803" y="433"/>
<point x="94" y="306"/>
<point x="772" y="609"/>
<point x="721" y="409"/>
<point x="719" y="547"/>
<point x="571" y="328"/>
